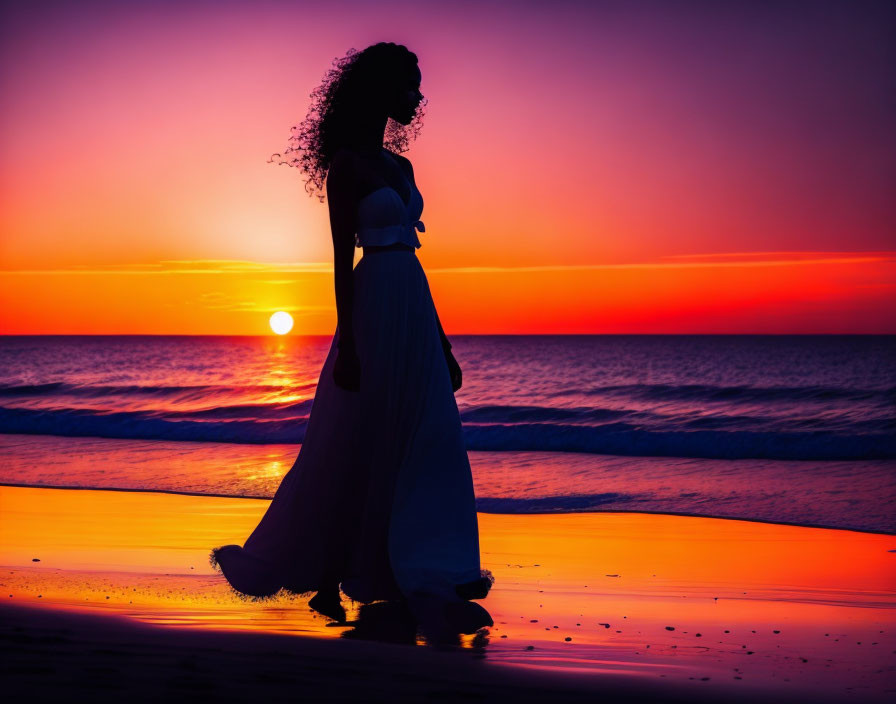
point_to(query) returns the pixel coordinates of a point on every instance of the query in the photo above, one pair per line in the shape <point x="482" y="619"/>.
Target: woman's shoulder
<point x="399" y="157"/>
<point x="344" y="158"/>
<point x="404" y="162"/>
<point x="343" y="167"/>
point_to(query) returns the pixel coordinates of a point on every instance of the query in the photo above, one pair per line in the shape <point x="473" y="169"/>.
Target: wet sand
<point x="671" y="608"/>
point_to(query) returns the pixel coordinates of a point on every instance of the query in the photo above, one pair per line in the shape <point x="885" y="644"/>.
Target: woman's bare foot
<point x="328" y="603"/>
<point x="477" y="589"/>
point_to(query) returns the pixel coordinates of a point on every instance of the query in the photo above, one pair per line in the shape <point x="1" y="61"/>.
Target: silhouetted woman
<point x="380" y="499"/>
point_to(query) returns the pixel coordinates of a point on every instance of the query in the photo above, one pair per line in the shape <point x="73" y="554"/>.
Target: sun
<point x="281" y="322"/>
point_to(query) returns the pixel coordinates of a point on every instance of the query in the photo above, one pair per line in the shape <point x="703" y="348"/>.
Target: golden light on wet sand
<point x="281" y="322"/>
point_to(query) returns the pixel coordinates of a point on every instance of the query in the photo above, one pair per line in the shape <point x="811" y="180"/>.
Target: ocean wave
<point x="625" y="439"/>
<point x="757" y="394"/>
<point x="248" y="411"/>
<point x="653" y="392"/>
<point x="552" y="504"/>
<point x="541" y="414"/>
<point x="611" y="438"/>
<point x="62" y="388"/>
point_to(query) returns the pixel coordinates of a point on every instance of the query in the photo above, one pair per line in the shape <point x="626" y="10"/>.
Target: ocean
<point x="791" y="429"/>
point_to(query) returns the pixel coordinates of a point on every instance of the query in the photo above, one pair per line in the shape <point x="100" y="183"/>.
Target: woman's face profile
<point x="408" y="98"/>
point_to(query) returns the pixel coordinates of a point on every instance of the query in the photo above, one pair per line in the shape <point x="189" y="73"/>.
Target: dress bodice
<point x="384" y="218"/>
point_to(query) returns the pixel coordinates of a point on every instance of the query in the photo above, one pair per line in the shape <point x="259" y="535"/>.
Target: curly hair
<point x="352" y="87"/>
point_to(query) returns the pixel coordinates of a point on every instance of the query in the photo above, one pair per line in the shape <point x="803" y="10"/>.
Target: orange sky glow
<point x="585" y="167"/>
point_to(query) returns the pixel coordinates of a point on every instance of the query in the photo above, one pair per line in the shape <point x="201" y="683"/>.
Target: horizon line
<point x="472" y="334"/>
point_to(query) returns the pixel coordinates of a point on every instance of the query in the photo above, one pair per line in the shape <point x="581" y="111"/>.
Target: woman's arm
<point x="343" y="214"/>
<point x="446" y="345"/>
<point x="454" y="370"/>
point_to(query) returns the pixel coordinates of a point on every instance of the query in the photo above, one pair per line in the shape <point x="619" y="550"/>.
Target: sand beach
<point x="106" y="588"/>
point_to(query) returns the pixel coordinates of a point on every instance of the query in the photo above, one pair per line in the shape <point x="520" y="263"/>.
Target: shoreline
<point x="684" y="514"/>
<point x="854" y="496"/>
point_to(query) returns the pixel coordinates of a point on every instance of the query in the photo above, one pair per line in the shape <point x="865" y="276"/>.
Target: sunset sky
<point x="586" y="167"/>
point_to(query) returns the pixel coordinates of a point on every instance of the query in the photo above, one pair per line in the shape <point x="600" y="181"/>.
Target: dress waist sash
<point x="390" y="234"/>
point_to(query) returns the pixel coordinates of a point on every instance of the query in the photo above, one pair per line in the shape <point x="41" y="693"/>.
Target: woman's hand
<point x="453" y="370"/>
<point x="347" y="369"/>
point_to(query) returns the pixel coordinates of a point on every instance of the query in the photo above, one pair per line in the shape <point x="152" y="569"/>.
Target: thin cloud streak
<point x="198" y="266"/>
<point x="682" y="261"/>
<point x="219" y="300"/>
<point x="890" y="257"/>
<point x="801" y="254"/>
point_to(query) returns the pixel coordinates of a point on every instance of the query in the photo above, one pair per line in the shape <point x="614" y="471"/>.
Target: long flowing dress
<point x="380" y="497"/>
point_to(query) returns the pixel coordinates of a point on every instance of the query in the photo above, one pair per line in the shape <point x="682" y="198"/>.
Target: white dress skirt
<point x="380" y="498"/>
